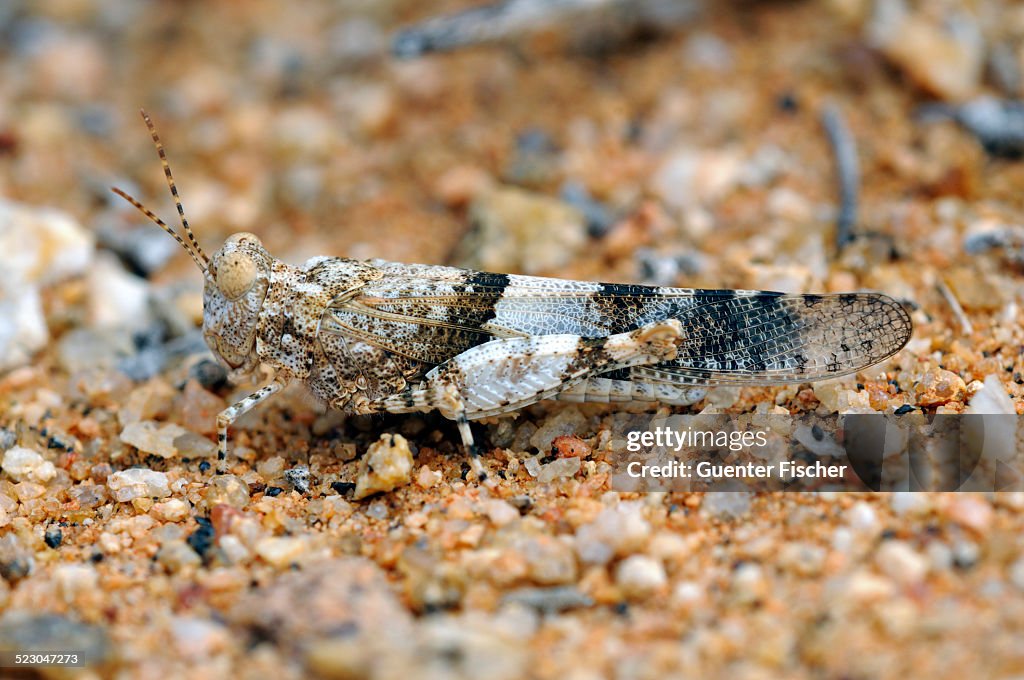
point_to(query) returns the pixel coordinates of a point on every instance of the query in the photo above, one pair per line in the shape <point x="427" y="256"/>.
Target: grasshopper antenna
<point x="192" y="247"/>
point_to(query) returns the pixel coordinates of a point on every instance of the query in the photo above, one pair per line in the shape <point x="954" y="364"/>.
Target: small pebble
<point x="209" y="374"/>
<point x="427" y="478"/>
<point x="386" y="465"/>
<point x="939" y="386"/>
<point x="226" y="489"/>
<point x="640" y="576"/>
<point x="970" y="511"/>
<point x="558" y="469"/>
<point x="75" y="579"/>
<point x="942" y="52"/>
<point x="126" y="485"/>
<point x="992" y="399"/>
<point x="748" y="584"/>
<point x="862" y="517"/>
<point x="726" y="505"/>
<point x="298" y="477"/>
<point x="201" y="540"/>
<point x="151" y="437"/>
<point x="53" y="537"/>
<point x="517" y="230"/>
<point x="16" y="561"/>
<point x="177" y="555"/>
<point x="901" y="563"/>
<point x="568" y="421"/>
<point x="26" y="491"/>
<point x="88" y="495"/>
<point x="500" y="512"/>
<point x="549" y="600"/>
<point x="281" y="551"/>
<point x="25" y="464"/>
<point x="618" y="530"/>
<point x="171" y="510"/>
<point x="570" y="446"/>
<point x="1016" y="573"/>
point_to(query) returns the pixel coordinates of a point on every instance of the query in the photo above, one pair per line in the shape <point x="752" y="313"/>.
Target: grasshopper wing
<point x="431" y="314"/>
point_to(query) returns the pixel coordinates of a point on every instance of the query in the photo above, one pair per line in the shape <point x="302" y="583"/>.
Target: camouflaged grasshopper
<point x="375" y="336"/>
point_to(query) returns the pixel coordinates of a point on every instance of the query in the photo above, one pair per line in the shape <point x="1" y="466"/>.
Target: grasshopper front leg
<point x="505" y="375"/>
<point x="232" y="413"/>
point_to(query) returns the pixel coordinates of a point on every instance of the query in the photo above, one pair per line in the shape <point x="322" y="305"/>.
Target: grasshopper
<point x="383" y="337"/>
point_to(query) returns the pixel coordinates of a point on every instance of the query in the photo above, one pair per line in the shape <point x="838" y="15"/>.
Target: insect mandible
<point x="383" y="337"/>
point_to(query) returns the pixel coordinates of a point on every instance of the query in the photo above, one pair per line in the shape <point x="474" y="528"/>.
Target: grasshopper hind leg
<point x="505" y="375"/>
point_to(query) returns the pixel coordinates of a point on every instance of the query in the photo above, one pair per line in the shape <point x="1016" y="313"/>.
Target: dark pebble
<point x="273" y="491"/>
<point x="599" y="218"/>
<point x="15" y="569"/>
<point x="343" y="487"/>
<point x="209" y="374"/>
<point x="201" y="540"/>
<point x="53" y="537"/>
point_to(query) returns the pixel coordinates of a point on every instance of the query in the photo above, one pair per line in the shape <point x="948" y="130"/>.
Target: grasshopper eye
<point x="236" y="274"/>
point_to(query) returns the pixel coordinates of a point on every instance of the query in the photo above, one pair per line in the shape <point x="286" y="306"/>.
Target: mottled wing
<point x="431" y="314"/>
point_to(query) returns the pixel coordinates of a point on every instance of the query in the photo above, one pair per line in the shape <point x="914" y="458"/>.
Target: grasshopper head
<point x="237" y="279"/>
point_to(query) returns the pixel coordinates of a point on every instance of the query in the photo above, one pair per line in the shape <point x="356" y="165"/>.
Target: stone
<point x="726" y="505"/>
<point x="500" y="512"/>
<point x="176" y="556"/>
<point x="298" y="477"/>
<point x="41" y="246"/>
<point x="901" y="563"/>
<point x="386" y="465"/>
<point x="171" y="510"/>
<point x="616" y="531"/>
<point x="198" y="637"/>
<point x="939" y="386"/>
<point x="549" y="600"/>
<point x="16" y="560"/>
<point x="749" y="585"/>
<point x="521" y="231"/>
<point x="943" y="53"/>
<point x="75" y="579"/>
<point x="152" y="437"/>
<point x="88" y="495"/>
<point x="559" y="468"/>
<point x="992" y="398"/>
<point x="226" y="489"/>
<point x="117" y="299"/>
<point x="691" y="177"/>
<point x="970" y="511"/>
<point x="640" y="576"/>
<point x="149" y="401"/>
<point x="25" y="464"/>
<point x="282" y="551"/>
<point x="127" y="485"/>
<point x="23" y="330"/>
<point x="88" y="348"/>
<point x="563" y="422"/>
